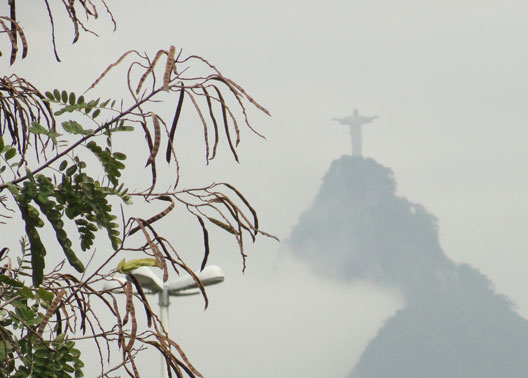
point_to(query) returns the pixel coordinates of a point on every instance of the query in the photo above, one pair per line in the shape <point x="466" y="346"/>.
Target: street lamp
<point x="181" y="286"/>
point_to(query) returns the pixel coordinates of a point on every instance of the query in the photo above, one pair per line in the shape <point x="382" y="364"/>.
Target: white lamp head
<point x="115" y="284"/>
<point x="186" y="285"/>
<point x="147" y="279"/>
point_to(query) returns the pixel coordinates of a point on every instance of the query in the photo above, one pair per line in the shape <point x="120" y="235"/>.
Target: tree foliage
<point x="60" y="173"/>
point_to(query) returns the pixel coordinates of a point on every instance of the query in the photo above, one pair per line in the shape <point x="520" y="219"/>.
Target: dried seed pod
<point x="157" y="140"/>
<point x="168" y="67"/>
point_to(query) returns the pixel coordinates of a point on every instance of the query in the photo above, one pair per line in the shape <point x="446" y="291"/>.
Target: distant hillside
<point x="454" y="325"/>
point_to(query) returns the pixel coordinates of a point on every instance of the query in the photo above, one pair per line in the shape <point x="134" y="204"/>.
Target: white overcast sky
<point x="448" y="80"/>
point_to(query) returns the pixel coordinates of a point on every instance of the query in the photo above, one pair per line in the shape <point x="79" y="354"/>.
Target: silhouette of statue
<point x="355" y="122"/>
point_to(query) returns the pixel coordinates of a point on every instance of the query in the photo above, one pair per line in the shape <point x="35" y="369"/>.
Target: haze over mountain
<point x="453" y="325"/>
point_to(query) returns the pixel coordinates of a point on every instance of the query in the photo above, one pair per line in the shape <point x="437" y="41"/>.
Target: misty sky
<point x="448" y="81"/>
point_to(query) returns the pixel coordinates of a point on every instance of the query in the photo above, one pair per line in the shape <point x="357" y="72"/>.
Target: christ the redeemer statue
<point x="355" y="122"/>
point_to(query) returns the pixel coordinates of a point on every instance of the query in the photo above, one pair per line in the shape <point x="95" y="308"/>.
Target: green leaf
<point x="60" y="338"/>
<point x="73" y="127"/>
<point x="54" y="217"/>
<point x="124" y="128"/>
<point x="64" y="97"/>
<point x="131" y="265"/>
<point x="71" y="98"/>
<point x="24" y="312"/>
<point x="13" y="189"/>
<point x="25" y="292"/>
<point x="70" y="171"/>
<point x="43" y="197"/>
<point x="75" y="353"/>
<point x="42" y="353"/>
<point x="10" y="281"/>
<point x="63" y="165"/>
<point x="114" y="240"/>
<point x="45" y="294"/>
<point x="71" y="212"/>
<point x="30" y="215"/>
<point x="69" y="108"/>
<point x="10" y="153"/>
<point x="96" y="113"/>
<point x="92" y="104"/>
<point x="37" y="128"/>
<point x="50" y="96"/>
<point x="111" y="164"/>
<point x="5" y="348"/>
<point x="57" y="94"/>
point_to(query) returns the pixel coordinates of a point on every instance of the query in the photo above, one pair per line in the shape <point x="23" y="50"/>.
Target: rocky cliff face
<point x="454" y="324"/>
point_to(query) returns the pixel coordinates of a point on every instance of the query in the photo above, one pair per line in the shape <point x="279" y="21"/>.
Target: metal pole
<point x="164" y="318"/>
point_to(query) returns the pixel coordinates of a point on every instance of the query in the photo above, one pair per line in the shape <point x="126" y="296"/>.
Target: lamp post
<point x="181" y="286"/>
